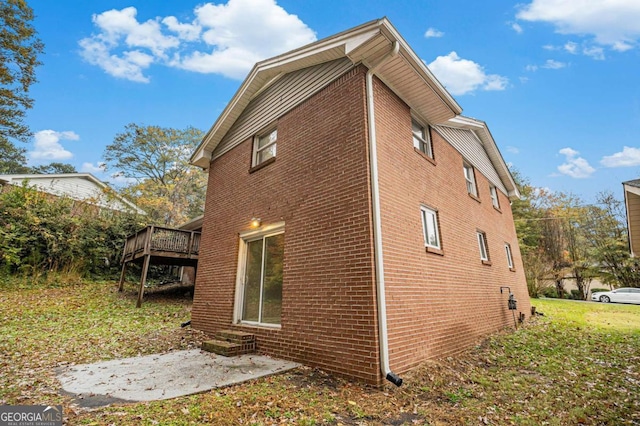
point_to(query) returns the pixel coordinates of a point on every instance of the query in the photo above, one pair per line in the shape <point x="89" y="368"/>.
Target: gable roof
<point x="87" y="188"/>
<point x="406" y="74"/>
<point x="481" y="130"/>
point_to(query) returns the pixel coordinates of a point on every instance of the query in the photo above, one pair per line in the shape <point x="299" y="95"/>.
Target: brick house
<point x="379" y="232"/>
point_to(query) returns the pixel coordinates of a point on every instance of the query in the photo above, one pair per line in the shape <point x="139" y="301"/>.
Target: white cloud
<point x="513" y="150"/>
<point x="614" y="23"/>
<point x="595" y="52"/>
<point x="93" y="168"/>
<point x="187" y="32"/>
<point x="553" y="65"/>
<point x="126" y="48"/>
<point x="47" y="145"/>
<point x="628" y="157"/>
<point x="571" y="47"/>
<point x="433" y="33"/>
<point x="575" y="166"/>
<point x="549" y="64"/>
<point x="516" y="27"/>
<point x="462" y="76"/>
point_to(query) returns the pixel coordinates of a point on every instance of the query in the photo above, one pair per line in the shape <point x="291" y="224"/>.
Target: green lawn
<point x="577" y="364"/>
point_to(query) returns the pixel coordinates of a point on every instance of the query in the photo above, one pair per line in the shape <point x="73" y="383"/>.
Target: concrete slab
<point x="163" y="376"/>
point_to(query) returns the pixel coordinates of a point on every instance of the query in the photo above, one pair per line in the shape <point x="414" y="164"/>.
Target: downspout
<point x="377" y="228"/>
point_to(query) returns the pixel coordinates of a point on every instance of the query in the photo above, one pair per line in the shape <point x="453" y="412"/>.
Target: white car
<point x="619" y="295"/>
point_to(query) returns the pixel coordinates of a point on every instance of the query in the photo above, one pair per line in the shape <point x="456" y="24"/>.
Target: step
<point x="235" y="336"/>
<point x="222" y="347"/>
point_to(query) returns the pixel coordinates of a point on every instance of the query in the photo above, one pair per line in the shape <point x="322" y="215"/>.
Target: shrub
<point x="599" y="290"/>
<point x="550" y="292"/>
<point x="41" y="233"/>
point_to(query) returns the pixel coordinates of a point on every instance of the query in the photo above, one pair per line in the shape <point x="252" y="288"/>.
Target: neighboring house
<point x="78" y="186"/>
<point x="354" y="221"/>
<point x="632" y="204"/>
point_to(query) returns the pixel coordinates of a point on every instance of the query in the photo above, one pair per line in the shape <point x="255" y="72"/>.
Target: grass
<point x="578" y="364"/>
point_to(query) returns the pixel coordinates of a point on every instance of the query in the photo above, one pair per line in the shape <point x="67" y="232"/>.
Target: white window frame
<point x="422" y="138"/>
<point x="483" y="246"/>
<point x="245" y="238"/>
<point x="493" y="192"/>
<point x="256" y="145"/>
<point x="507" y="249"/>
<point x="430" y="214"/>
<point x="470" y="178"/>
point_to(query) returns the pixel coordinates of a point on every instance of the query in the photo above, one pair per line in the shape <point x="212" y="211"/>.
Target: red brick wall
<point x="319" y="186"/>
<point x="438" y="304"/>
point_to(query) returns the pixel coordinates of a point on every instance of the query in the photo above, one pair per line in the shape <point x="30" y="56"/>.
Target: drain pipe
<point x="377" y="229"/>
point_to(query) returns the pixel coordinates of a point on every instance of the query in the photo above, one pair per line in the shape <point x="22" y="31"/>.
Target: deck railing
<point x="160" y="239"/>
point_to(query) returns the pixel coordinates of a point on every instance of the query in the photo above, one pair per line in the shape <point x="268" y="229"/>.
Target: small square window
<point x="494" y="196"/>
<point x="507" y="249"/>
<point x="482" y="245"/>
<point x="264" y="146"/>
<point x="422" y="138"/>
<point x="471" y="179"/>
<point x="430" y="228"/>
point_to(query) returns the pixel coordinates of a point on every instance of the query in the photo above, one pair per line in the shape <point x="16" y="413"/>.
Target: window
<point x="471" y="180"/>
<point x="430" y="228"/>
<point x="260" y="267"/>
<point x="264" y="147"/>
<point x="494" y="196"/>
<point x="482" y="244"/>
<point x="507" y="249"/>
<point x="421" y="138"/>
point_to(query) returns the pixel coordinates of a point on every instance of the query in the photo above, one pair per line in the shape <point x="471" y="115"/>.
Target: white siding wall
<point x="287" y="92"/>
<point x="74" y="187"/>
<point x="467" y="144"/>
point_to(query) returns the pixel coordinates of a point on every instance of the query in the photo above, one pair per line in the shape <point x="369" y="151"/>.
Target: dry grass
<point x="579" y="364"/>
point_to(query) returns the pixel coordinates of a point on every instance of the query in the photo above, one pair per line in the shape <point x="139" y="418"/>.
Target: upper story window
<point x="482" y="245"/>
<point x="422" y="138"/>
<point x="264" y="147"/>
<point x="471" y="179"/>
<point x="493" y="192"/>
<point x="430" y="228"/>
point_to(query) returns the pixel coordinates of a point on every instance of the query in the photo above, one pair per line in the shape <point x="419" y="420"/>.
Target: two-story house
<point x="354" y="220"/>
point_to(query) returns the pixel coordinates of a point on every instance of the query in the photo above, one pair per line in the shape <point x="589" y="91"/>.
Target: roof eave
<point x="345" y="44"/>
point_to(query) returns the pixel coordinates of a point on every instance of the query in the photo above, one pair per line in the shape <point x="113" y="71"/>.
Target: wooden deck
<point x="159" y="245"/>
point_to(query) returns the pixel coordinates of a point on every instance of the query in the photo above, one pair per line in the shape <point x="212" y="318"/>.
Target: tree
<point x="156" y="159"/>
<point x="607" y="234"/>
<point x="19" y="50"/>
<point x="53" y="168"/>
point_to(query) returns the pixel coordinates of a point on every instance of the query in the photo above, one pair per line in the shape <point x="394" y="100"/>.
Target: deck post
<point x="143" y="279"/>
<point x="121" y="283"/>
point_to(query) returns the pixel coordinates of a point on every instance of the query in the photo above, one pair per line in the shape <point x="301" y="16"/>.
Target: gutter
<point x="377" y="228"/>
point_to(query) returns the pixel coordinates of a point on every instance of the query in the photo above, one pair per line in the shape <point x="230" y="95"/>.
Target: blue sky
<point x="556" y="81"/>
